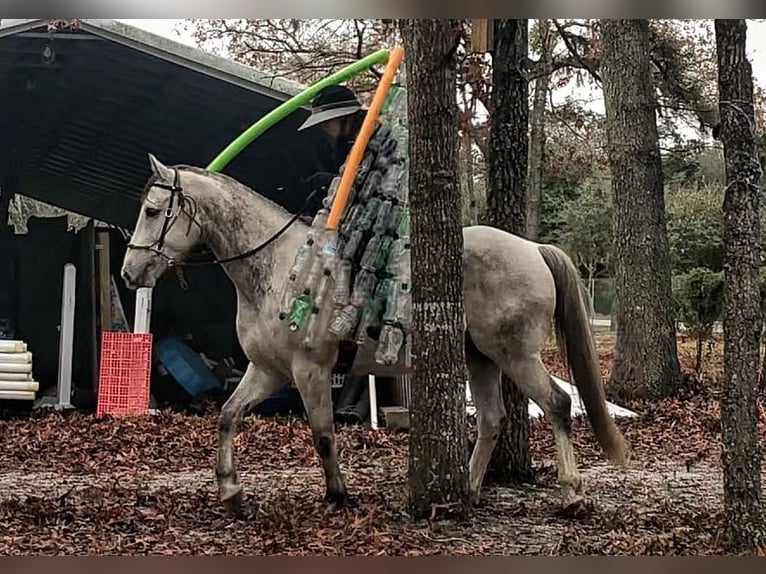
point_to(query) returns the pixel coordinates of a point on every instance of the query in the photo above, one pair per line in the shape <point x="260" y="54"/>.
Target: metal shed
<point x="82" y="103"/>
<point x="82" y="106"/>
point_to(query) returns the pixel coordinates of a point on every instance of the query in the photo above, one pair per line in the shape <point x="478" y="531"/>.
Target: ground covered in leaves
<point x="73" y="484"/>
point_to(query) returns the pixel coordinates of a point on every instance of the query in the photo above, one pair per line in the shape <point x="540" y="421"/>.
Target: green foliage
<point x="557" y="193"/>
<point x="695" y="228"/>
<point x="698" y="300"/>
<point x="693" y="164"/>
<point x="698" y="297"/>
<point x="587" y="226"/>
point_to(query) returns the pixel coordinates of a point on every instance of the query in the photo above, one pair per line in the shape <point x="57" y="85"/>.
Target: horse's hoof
<point x="334" y="501"/>
<point x="575" y="507"/>
<point x="233" y="504"/>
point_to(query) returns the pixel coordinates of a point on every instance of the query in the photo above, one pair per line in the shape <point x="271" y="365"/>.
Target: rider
<point x="339" y="114"/>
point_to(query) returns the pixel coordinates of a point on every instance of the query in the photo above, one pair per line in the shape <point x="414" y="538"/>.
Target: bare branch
<point x="585" y="63"/>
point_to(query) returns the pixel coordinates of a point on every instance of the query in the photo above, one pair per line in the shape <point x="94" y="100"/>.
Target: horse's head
<point x="166" y="231"/>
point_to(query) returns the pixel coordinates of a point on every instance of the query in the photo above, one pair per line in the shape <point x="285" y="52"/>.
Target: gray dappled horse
<point x="513" y="290"/>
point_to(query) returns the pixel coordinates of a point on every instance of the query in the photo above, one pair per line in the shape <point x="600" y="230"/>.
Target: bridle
<point x="188" y="206"/>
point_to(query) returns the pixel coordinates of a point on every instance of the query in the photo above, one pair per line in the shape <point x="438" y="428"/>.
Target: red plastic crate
<point x="123" y="387"/>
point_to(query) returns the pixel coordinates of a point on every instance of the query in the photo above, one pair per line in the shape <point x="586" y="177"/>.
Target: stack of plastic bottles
<point x="362" y="271"/>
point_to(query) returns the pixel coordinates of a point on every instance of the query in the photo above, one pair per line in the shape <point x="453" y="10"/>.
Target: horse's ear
<point x="163" y="172"/>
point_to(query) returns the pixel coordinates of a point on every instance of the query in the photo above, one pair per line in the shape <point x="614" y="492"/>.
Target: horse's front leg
<point x="314" y="382"/>
<point x="256" y="385"/>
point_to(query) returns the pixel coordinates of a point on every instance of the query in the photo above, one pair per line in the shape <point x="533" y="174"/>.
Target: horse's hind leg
<point x="534" y="381"/>
<point x="256" y="386"/>
<point x="484" y="382"/>
<point x="314" y="384"/>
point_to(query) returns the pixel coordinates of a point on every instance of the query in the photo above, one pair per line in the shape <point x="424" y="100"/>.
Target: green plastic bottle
<point x="300" y="310"/>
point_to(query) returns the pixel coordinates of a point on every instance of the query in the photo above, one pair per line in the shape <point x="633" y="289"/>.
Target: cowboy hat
<point x="332" y="102"/>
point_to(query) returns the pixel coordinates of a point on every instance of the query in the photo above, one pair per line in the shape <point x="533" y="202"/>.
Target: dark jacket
<point x="330" y="156"/>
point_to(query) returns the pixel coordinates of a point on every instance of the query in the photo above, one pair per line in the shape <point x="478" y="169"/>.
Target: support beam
<point x="89" y="248"/>
<point x="104" y="281"/>
<point x="482" y="36"/>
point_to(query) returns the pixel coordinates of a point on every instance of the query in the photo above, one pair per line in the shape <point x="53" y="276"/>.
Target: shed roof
<point x="76" y="130"/>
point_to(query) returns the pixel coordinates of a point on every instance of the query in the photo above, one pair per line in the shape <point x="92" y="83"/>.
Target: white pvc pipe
<point x="15" y="367"/>
<point x="15" y="377"/>
<point x="17" y="395"/>
<point x="143" y="316"/>
<point x="66" y="340"/>
<point x="373" y="402"/>
<point x="12" y="346"/>
<point x="30" y="386"/>
<point x="16" y="357"/>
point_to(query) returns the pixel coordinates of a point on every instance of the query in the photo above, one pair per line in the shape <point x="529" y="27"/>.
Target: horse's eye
<point x="151" y="212"/>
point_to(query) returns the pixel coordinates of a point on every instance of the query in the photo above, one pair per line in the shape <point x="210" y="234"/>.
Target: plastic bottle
<point x="363" y="169"/>
<point x="294" y="275"/>
<point x="371" y="186"/>
<point x="376" y="253"/>
<point x="344" y="321"/>
<point x="403" y="190"/>
<point x="342" y="292"/>
<point x="299" y="312"/>
<point x="387" y="151"/>
<point x="315" y="272"/>
<point x="363" y="287"/>
<point x="319" y="223"/>
<point x="382" y="219"/>
<point x="370" y="214"/>
<point x="380" y="135"/>
<point x="404" y="223"/>
<point x="319" y="301"/>
<point x="402" y="305"/>
<point x="371" y="315"/>
<point x="349" y="222"/>
<point x="381" y="255"/>
<point x="389" y="345"/>
<point x="353" y="244"/>
<point x="328" y="199"/>
<point x="330" y="250"/>
<point x="394" y="255"/>
<point x="391" y="182"/>
<point x="393" y="219"/>
<point x="399" y="259"/>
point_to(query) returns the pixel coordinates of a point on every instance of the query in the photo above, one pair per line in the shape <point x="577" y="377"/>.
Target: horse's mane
<point x="221" y="177"/>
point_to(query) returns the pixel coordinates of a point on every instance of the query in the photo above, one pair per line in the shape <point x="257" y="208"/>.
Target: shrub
<point x="698" y="299"/>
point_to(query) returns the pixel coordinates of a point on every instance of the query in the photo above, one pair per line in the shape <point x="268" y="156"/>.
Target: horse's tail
<point x="576" y="342"/>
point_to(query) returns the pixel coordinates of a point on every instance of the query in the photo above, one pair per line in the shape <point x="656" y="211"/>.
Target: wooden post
<point x="482" y="36"/>
<point x="104" y="281"/>
<point x="90" y="277"/>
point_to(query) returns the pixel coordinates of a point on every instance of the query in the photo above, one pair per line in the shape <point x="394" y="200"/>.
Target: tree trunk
<point x="507" y="209"/>
<point x="742" y="316"/>
<point x="646" y="359"/>
<point x="438" y="469"/>
<point x="537" y="132"/>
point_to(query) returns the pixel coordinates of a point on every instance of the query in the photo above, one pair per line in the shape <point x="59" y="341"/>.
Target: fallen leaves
<point x="73" y="484"/>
